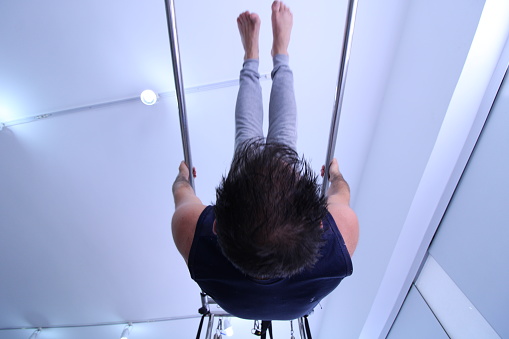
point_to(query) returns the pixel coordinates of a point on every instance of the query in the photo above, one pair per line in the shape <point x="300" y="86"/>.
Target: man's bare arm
<point x="183" y="193"/>
<point x="338" y="201"/>
<point x="188" y="208"/>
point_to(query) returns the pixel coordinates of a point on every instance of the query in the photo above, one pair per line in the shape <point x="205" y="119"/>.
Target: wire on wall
<point x="116" y="323"/>
<point x="135" y="99"/>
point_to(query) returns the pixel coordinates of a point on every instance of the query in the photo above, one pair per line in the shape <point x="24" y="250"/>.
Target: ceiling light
<point x="149" y="97"/>
<point x="35" y="334"/>
<point x="126" y="332"/>
<point x="227" y="328"/>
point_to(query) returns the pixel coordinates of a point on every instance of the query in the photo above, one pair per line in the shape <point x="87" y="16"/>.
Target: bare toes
<point x="276" y="6"/>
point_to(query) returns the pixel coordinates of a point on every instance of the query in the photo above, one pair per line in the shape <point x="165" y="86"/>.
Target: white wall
<point x="461" y="291"/>
<point x="428" y="60"/>
<point x="470" y="244"/>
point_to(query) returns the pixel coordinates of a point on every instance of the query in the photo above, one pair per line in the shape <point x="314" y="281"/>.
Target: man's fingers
<point x="333" y="168"/>
<point x="334" y="165"/>
<point x="184" y="170"/>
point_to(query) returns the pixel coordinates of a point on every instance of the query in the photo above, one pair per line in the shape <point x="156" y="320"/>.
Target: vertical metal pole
<point x="179" y="85"/>
<point x="208" y="335"/>
<point x="301" y="329"/>
<point x="345" y="57"/>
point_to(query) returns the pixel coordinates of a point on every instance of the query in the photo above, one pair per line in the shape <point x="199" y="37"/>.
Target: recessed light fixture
<point x="227" y="328"/>
<point x="149" y="97"/>
<point x="126" y="332"/>
<point x="35" y="334"/>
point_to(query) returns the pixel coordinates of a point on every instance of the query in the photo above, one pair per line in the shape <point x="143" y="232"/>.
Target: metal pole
<point x="340" y="89"/>
<point x="208" y="335"/>
<point x="179" y="85"/>
<point x="301" y="329"/>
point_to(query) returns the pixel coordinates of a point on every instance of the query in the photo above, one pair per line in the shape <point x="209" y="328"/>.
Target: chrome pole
<point x="179" y="85"/>
<point x="302" y="330"/>
<point x="208" y="334"/>
<point x="340" y="89"/>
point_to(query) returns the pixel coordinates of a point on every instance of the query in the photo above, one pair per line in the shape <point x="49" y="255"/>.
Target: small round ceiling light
<point x="149" y="97"/>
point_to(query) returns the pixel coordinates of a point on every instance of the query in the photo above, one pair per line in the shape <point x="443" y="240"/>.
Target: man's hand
<point x="334" y="173"/>
<point x="184" y="170"/>
<point x="338" y="185"/>
<point x="183" y="176"/>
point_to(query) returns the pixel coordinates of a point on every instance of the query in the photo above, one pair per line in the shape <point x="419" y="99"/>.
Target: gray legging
<point x="282" y="106"/>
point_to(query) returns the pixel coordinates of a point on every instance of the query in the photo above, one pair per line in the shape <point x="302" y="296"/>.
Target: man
<point x="272" y="247"/>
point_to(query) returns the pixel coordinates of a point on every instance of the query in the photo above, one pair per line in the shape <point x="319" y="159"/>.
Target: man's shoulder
<point x="347" y="223"/>
<point x="183" y="226"/>
<point x="186" y="213"/>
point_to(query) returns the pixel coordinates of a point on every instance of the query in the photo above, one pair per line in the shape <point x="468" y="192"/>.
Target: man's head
<point x="269" y="212"/>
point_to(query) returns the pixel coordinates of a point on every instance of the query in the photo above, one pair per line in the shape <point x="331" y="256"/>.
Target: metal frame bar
<point x="210" y="327"/>
<point x="206" y="301"/>
<point x="302" y="329"/>
<point x="179" y="85"/>
<point x="340" y="89"/>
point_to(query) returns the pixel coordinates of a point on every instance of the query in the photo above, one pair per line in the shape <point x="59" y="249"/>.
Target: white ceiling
<point x="85" y="197"/>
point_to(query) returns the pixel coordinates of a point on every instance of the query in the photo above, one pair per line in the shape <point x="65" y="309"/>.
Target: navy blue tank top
<point x="273" y="299"/>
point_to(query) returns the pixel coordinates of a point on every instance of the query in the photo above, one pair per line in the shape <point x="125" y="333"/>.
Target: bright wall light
<point x="149" y="97"/>
<point x="6" y="114"/>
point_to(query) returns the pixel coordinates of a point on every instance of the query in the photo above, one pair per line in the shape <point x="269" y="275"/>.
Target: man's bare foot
<point x="282" y="21"/>
<point x="249" y="28"/>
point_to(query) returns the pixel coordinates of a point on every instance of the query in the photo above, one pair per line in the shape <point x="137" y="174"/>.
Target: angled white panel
<point x="451" y="306"/>
<point x="416" y="320"/>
